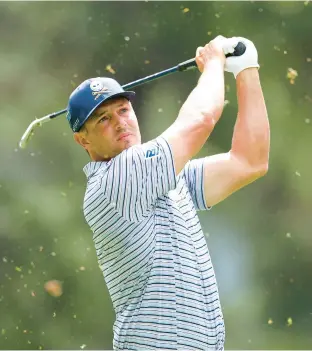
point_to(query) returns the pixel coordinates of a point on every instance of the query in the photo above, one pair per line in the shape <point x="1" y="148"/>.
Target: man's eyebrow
<point x="122" y="103"/>
<point x="99" y="113"/>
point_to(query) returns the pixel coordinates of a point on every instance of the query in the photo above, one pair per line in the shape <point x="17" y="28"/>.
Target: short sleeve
<point x="194" y="176"/>
<point x="134" y="179"/>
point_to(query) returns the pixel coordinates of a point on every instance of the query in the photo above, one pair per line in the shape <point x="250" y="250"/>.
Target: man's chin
<point x="126" y="143"/>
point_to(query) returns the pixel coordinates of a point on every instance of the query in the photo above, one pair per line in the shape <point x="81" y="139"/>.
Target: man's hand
<point x="211" y="51"/>
<point x="249" y="59"/>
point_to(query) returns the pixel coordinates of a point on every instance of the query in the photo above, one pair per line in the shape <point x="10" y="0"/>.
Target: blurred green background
<point x="260" y="238"/>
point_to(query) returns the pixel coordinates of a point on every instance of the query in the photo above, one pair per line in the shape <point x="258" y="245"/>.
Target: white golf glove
<point x="236" y="64"/>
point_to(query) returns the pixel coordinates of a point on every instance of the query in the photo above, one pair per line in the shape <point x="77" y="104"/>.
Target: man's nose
<point x="120" y="121"/>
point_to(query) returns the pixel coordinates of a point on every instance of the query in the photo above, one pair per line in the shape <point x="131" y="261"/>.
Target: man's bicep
<point x="186" y="139"/>
<point x="223" y="175"/>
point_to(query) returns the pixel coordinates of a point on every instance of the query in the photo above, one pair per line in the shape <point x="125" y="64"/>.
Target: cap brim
<point x="127" y="94"/>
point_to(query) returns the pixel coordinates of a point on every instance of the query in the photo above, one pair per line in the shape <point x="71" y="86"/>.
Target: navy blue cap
<point x="89" y="95"/>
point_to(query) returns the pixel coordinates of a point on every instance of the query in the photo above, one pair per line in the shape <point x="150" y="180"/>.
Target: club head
<point x="30" y="130"/>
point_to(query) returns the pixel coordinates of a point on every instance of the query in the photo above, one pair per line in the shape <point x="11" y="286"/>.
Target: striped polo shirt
<point x="152" y="250"/>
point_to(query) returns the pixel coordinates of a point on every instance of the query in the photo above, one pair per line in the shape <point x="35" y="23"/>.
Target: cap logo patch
<point x="98" y="88"/>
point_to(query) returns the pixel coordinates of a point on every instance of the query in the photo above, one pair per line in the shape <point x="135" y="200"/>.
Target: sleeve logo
<point x="152" y="152"/>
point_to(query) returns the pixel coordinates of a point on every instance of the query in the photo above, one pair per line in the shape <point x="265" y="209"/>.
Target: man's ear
<point x="81" y="140"/>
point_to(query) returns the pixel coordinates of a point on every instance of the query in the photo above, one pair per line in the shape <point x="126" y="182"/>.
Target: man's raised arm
<point x="203" y="107"/>
<point x="249" y="155"/>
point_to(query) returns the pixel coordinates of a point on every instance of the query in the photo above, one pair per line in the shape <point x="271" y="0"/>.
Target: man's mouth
<point x="123" y="136"/>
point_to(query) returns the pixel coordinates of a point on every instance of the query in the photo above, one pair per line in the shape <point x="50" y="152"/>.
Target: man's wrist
<point x="215" y="61"/>
<point x="248" y="73"/>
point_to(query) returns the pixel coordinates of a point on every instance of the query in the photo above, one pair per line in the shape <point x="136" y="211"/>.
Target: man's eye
<point x="102" y="119"/>
<point x="123" y="110"/>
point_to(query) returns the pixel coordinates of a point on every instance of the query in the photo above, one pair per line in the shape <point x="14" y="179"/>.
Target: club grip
<point x="191" y="63"/>
<point x="239" y="50"/>
<point x="183" y="66"/>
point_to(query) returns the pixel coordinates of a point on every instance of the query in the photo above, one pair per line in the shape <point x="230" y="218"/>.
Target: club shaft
<point x="150" y="78"/>
<point x="58" y="113"/>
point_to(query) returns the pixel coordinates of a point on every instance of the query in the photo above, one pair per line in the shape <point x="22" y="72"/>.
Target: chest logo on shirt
<point x="152" y="152"/>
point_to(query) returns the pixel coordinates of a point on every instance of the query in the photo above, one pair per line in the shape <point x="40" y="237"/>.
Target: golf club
<point x="181" y="67"/>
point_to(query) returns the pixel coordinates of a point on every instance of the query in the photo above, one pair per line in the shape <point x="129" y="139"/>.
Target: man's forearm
<point x="251" y="137"/>
<point x="206" y="101"/>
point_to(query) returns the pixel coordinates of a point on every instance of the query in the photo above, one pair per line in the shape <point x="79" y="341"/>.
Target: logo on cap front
<point x="98" y="88"/>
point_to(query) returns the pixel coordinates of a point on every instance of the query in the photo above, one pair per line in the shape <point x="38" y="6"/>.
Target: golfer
<point x="141" y="199"/>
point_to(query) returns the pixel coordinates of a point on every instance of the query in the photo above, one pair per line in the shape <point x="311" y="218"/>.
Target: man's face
<point x="112" y="128"/>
